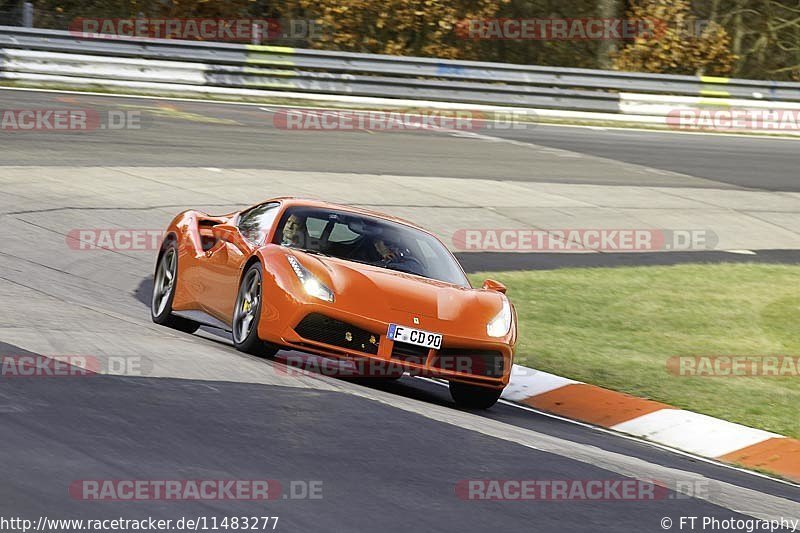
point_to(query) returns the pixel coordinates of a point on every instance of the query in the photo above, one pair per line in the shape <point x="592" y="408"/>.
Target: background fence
<point x="72" y="59"/>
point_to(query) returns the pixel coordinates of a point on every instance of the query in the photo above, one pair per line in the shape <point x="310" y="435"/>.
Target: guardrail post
<point x="27" y="15"/>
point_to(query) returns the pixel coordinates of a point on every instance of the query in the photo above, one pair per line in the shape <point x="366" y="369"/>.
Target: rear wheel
<point x="474" y="396"/>
<point x="246" y="315"/>
<point x="164" y="282"/>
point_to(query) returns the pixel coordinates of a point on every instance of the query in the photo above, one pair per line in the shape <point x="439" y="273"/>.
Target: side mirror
<point x="493" y="285"/>
<point x="225" y="232"/>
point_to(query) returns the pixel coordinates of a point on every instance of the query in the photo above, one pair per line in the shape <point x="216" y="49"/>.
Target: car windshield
<point x="369" y="240"/>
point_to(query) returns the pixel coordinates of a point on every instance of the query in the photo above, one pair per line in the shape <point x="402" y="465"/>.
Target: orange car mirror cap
<point x="493" y="285"/>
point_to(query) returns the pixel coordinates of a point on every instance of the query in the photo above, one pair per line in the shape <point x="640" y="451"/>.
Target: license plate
<point x="414" y="336"/>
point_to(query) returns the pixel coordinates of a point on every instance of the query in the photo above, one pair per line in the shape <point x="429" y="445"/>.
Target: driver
<point x="387" y="252"/>
<point x="294" y="232"/>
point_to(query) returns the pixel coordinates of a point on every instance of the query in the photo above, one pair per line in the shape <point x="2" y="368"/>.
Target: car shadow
<point x="402" y="387"/>
<point x="144" y="294"/>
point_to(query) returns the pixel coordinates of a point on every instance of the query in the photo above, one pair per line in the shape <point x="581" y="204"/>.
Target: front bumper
<point x="363" y="341"/>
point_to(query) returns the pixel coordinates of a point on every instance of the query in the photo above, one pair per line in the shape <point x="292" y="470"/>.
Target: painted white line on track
<point x="741" y="252"/>
<point x="632" y="438"/>
<point x="523" y="372"/>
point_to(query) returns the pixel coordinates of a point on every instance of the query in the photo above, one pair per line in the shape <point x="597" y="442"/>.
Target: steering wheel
<point x="406" y="261"/>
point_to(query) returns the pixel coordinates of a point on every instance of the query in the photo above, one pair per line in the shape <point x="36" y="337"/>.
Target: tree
<point x="607" y="9"/>
<point x="400" y="27"/>
<point x="765" y="36"/>
<point x="680" y="44"/>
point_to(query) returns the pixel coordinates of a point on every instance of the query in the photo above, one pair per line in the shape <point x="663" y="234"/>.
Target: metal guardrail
<point x="299" y="70"/>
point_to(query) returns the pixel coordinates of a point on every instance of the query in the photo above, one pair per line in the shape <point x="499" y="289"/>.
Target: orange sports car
<point x="339" y="282"/>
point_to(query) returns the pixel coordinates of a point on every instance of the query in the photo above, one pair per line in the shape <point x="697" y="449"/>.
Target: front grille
<point x="488" y="363"/>
<point x="320" y="328"/>
<point x="410" y="353"/>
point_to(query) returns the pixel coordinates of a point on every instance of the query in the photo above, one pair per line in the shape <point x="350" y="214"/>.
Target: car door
<point x="225" y="260"/>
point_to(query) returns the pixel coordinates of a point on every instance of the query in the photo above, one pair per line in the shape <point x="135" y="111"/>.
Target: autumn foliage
<point x="683" y="44"/>
<point x="742" y="38"/>
<point x="398" y="27"/>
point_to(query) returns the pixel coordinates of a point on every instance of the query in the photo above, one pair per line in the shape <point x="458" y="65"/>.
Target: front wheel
<point x="474" y="396"/>
<point x="246" y="315"/>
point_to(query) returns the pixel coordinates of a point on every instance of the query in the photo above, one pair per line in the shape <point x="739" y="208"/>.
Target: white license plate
<point x="414" y="336"/>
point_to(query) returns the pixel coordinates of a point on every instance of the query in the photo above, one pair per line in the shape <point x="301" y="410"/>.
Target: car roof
<point x="312" y="202"/>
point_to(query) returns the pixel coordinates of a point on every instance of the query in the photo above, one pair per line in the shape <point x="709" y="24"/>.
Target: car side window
<point x="255" y="223"/>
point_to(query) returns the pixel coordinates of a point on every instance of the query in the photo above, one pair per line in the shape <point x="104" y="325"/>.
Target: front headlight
<point x="500" y="325"/>
<point x="311" y="284"/>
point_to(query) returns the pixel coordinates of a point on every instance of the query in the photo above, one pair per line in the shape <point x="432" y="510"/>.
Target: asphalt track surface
<point x="207" y="134"/>
<point x="388" y="456"/>
<point x="502" y="261"/>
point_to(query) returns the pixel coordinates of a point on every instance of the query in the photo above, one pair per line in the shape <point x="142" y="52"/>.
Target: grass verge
<point x="617" y="328"/>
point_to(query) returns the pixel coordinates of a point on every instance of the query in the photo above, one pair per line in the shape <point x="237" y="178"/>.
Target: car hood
<point x="387" y="290"/>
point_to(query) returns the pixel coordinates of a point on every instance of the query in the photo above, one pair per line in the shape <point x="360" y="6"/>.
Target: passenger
<point x="295" y="233"/>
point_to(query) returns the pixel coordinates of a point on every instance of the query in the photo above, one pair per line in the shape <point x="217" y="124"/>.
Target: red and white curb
<point x="656" y="422"/>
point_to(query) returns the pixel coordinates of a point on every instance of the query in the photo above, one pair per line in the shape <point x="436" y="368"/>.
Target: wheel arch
<point x="255" y="258"/>
<point x="169" y="238"/>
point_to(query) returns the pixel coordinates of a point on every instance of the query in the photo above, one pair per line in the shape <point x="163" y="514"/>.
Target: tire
<point x="165" y="279"/>
<point x="247" y="314"/>
<point x="473" y="396"/>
